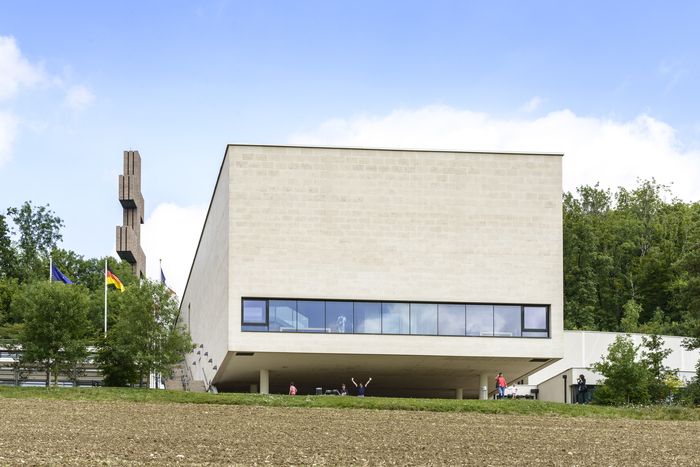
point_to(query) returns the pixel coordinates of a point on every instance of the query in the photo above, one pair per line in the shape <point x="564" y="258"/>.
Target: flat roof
<point x="300" y="146"/>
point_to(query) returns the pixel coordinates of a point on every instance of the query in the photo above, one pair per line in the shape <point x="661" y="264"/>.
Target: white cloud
<point x="15" y="70"/>
<point x="532" y="105"/>
<point x="8" y="130"/>
<point x="614" y="153"/>
<point x="79" y="98"/>
<point x="171" y="233"/>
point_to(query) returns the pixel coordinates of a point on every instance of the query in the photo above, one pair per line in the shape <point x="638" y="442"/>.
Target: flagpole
<point x="105" y="297"/>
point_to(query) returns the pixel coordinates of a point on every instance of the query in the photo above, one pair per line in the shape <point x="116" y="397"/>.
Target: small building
<point x="557" y="382"/>
<point x="429" y="271"/>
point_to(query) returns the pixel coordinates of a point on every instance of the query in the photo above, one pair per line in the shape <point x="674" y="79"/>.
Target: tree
<point x="55" y="333"/>
<point x="39" y="230"/>
<point x="653" y="355"/>
<point x="625" y="378"/>
<point x="630" y="316"/>
<point x="8" y="260"/>
<point x="145" y="337"/>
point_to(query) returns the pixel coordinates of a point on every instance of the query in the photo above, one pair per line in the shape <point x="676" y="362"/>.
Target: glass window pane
<point x="339" y="317"/>
<point x="254" y="327"/>
<point x="368" y="318"/>
<point x="535" y="334"/>
<point x="283" y="315"/>
<point x="395" y="318"/>
<point x="254" y="312"/>
<point x="451" y="320"/>
<point x="506" y="321"/>
<point x="311" y="316"/>
<point x="424" y="318"/>
<point x="535" y="317"/>
<point x="480" y="320"/>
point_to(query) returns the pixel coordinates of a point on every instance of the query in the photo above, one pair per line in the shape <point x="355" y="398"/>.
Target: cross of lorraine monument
<point x="129" y="233"/>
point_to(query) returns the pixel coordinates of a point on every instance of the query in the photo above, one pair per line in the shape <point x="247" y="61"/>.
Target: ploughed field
<point x="62" y="432"/>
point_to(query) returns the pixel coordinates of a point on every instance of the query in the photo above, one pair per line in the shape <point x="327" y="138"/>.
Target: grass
<point x="517" y="407"/>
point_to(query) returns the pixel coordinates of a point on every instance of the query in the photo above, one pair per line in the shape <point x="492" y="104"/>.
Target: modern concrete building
<point x="429" y="271"/>
<point x="129" y="233"/>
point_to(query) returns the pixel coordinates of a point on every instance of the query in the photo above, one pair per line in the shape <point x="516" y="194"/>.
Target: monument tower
<point x="131" y="199"/>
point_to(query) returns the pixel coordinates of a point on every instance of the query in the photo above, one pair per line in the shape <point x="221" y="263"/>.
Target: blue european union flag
<point x="58" y="276"/>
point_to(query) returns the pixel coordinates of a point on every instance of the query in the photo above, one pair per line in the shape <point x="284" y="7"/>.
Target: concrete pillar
<point x="264" y="382"/>
<point x="458" y="393"/>
<point x="483" y="386"/>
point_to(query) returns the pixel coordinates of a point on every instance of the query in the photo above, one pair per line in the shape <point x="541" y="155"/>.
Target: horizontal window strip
<point x="394" y="318"/>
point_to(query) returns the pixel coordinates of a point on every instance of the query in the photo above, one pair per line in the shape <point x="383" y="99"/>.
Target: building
<point x="557" y="382"/>
<point x="429" y="271"/>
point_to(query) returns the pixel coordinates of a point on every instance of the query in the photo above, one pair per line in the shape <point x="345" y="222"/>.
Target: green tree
<point x="39" y="230"/>
<point x="55" y="334"/>
<point x="145" y="336"/>
<point x="653" y="355"/>
<point x="626" y="380"/>
<point x="630" y="316"/>
<point x="8" y="260"/>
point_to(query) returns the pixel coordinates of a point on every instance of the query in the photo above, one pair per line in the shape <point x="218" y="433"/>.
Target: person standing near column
<point x="501" y="385"/>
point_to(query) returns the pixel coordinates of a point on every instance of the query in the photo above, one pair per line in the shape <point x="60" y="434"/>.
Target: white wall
<point x="205" y="302"/>
<point x="395" y="225"/>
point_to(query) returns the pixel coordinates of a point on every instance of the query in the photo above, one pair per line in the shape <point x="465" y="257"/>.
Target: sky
<point x="612" y="85"/>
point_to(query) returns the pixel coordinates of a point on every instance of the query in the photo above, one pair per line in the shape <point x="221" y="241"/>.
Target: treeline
<point x="55" y="323"/>
<point x="631" y="260"/>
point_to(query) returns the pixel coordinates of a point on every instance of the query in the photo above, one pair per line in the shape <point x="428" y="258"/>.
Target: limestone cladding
<point x="394" y="225"/>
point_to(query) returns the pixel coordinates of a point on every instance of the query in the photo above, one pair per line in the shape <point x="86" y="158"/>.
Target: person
<point x="343" y="390"/>
<point x="582" y="389"/>
<point x="360" y="388"/>
<point x="292" y="389"/>
<point x="501" y="385"/>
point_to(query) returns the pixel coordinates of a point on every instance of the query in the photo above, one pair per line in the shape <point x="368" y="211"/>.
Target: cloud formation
<point x="15" y="70"/>
<point x="17" y="74"/>
<point x="614" y="153"/>
<point x="171" y="233"/>
<point x="79" y="98"/>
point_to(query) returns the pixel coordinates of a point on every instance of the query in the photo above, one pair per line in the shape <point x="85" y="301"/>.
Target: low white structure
<point x="584" y="348"/>
<point x="428" y="270"/>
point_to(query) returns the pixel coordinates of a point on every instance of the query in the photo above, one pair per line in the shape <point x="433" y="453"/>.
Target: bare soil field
<point x="116" y="433"/>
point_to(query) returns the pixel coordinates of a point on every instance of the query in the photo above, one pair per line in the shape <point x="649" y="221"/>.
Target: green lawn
<point x="519" y="407"/>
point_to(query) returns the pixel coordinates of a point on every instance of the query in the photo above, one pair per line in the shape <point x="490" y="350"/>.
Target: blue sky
<point x="612" y="85"/>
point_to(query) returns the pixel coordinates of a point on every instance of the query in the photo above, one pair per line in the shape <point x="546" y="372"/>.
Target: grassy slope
<point x="519" y="407"/>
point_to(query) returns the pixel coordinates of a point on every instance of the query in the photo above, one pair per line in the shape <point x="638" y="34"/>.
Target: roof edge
<point x="364" y="148"/>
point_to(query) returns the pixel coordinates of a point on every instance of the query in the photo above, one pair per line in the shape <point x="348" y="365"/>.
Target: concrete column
<point x="458" y="393"/>
<point x="483" y="386"/>
<point x="264" y="382"/>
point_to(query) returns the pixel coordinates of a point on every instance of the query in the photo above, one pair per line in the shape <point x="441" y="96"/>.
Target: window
<point x="254" y="316"/>
<point x="535" y="318"/>
<point x="424" y="318"/>
<point x="311" y="316"/>
<point x="368" y="318"/>
<point x="452" y="320"/>
<point x="395" y="318"/>
<point x="480" y="320"/>
<point x="283" y="315"/>
<point x="339" y="317"/>
<point x="506" y="321"/>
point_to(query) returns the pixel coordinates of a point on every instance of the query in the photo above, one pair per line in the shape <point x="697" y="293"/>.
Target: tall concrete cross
<point x="129" y="233"/>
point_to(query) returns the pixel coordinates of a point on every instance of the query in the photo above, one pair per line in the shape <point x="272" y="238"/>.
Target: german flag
<point x="114" y="280"/>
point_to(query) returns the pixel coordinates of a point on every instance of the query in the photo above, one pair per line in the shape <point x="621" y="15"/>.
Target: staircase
<point x="181" y="380"/>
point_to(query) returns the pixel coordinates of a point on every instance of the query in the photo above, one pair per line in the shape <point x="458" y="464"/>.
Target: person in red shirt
<point x="501" y="385"/>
